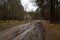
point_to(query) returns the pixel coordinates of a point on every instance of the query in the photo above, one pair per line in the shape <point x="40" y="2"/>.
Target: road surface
<point x="28" y="31"/>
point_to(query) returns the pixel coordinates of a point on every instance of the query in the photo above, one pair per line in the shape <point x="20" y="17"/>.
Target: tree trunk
<point x="52" y="11"/>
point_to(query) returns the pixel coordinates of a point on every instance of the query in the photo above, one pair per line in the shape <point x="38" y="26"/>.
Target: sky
<point x="29" y="5"/>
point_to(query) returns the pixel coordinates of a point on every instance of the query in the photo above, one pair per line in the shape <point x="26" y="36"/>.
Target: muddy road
<point x="28" y="31"/>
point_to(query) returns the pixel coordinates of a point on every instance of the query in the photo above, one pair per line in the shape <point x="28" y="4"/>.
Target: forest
<point x="29" y="19"/>
<point x="13" y="10"/>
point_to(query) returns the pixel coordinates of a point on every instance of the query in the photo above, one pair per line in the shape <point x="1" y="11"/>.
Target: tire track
<point x="12" y="32"/>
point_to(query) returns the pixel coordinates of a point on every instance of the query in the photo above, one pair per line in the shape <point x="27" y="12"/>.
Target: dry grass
<point x="52" y="30"/>
<point x="7" y="24"/>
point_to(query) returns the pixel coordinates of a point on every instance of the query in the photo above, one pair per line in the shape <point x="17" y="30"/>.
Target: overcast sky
<point x="29" y="5"/>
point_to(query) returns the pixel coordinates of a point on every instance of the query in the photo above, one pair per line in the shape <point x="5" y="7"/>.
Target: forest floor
<point x="30" y="30"/>
<point x="52" y="30"/>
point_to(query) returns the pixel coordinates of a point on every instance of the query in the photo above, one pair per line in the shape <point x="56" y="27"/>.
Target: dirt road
<point x="28" y="31"/>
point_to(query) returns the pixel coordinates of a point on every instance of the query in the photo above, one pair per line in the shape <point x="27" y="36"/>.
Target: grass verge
<point x="11" y="23"/>
<point x="52" y="30"/>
